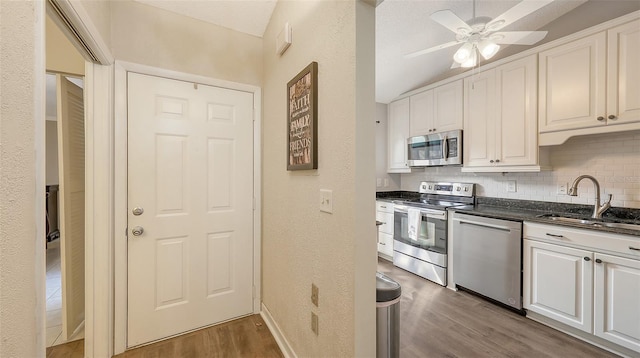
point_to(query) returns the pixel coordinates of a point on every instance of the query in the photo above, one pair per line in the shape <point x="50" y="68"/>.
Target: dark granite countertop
<point x="533" y="211"/>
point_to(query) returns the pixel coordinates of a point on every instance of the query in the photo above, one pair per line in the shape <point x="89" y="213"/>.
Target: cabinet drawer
<point x="385" y="206"/>
<point x="387" y="222"/>
<point x="584" y="238"/>
<point x="385" y="244"/>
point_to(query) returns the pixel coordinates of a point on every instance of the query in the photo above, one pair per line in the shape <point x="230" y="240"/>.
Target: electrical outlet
<point x="511" y="186"/>
<point x="562" y="189"/>
<point x="379" y="182"/>
<point x="314" y="323"/>
<point x="386" y="182"/>
<point x="326" y="200"/>
<point x="314" y="294"/>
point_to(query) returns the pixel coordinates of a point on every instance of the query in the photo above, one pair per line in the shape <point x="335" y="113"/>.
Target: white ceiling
<point x="247" y="16"/>
<point x="404" y="26"/>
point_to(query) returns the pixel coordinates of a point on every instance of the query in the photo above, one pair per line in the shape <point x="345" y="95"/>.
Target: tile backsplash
<point x="613" y="159"/>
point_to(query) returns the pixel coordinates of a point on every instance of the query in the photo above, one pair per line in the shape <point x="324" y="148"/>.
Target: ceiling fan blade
<point x="517" y="37"/>
<point x="431" y="49"/>
<point x="517" y="12"/>
<point x="451" y="21"/>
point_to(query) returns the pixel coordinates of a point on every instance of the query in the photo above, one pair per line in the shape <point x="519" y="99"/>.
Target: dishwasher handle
<point x="485" y="225"/>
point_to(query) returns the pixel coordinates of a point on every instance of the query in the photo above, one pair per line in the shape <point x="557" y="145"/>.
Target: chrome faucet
<point x="598" y="209"/>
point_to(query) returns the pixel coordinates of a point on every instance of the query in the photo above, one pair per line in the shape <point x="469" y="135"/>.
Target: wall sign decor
<point x="302" y="119"/>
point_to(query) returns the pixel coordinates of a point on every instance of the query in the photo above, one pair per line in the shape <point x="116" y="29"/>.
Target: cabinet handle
<point x="382" y="243"/>
<point x="601" y="118"/>
<point x="554" y="235"/>
<point x="599" y="261"/>
<point x="434" y="129"/>
<point x="587" y="259"/>
<point x="634" y="248"/>
<point x="382" y="206"/>
<point x="497" y="160"/>
<point x="611" y="116"/>
<point x="491" y="161"/>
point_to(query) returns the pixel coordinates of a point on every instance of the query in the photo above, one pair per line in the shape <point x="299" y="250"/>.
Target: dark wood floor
<point x="438" y="322"/>
<point x="245" y="337"/>
<point x="434" y="322"/>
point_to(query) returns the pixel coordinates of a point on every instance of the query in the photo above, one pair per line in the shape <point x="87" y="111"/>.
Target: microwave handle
<point x="445" y="147"/>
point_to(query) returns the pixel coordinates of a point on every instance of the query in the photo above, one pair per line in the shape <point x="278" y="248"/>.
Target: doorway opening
<point x="64" y="179"/>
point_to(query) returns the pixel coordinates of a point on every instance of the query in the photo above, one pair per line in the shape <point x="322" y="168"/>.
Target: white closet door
<point x="71" y="168"/>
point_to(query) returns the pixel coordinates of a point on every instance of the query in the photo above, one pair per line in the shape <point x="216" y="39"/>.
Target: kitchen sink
<point x="591" y="222"/>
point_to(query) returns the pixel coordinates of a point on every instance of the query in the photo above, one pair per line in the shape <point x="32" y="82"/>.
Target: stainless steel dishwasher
<point x="487" y="257"/>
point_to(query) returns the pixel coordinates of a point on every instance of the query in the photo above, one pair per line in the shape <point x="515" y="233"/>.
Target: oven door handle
<point x="485" y="225"/>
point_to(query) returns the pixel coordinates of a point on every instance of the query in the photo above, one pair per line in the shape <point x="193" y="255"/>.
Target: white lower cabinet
<point x="568" y="278"/>
<point x="384" y="214"/>
<point x="559" y="282"/>
<point x="617" y="300"/>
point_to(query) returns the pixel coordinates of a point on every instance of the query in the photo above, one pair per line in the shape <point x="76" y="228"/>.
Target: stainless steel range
<point x="420" y="228"/>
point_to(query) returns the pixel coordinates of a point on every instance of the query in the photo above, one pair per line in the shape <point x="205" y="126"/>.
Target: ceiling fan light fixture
<point x="471" y="61"/>
<point x="464" y="53"/>
<point x="488" y="48"/>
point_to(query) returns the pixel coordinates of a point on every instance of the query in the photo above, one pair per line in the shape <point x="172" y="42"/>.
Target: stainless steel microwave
<point x="436" y="149"/>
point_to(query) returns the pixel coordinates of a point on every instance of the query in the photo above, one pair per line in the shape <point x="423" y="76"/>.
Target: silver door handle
<point x="445" y="147"/>
<point x="137" y="231"/>
<point x="488" y="226"/>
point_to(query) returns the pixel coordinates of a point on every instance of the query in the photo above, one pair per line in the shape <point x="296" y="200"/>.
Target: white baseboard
<point x="284" y="345"/>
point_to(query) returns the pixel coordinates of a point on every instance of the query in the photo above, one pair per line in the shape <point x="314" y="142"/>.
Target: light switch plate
<point x="326" y="201"/>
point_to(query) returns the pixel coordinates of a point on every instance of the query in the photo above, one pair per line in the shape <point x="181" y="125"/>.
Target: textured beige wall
<point x="62" y="56"/>
<point x="21" y="143"/>
<point x="302" y="245"/>
<point x="100" y="13"/>
<point x="175" y="42"/>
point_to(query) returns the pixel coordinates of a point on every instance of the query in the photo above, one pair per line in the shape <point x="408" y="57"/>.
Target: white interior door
<point x="190" y="172"/>
<point x="71" y="169"/>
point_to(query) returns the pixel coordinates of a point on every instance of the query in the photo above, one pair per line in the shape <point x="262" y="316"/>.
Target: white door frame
<point x="120" y="182"/>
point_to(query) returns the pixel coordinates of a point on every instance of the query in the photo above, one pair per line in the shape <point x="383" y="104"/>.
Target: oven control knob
<point x="466" y="188"/>
<point x="458" y="188"/>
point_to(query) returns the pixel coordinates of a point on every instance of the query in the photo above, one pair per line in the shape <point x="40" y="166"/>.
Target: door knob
<point x="137" y="231"/>
<point x="137" y="211"/>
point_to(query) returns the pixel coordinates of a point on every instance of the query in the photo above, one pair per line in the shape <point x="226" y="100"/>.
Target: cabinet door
<point x="385" y="244"/>
<point x="421" y="118"/>
<point x="623" y="77"/>
<point x="572" y="85"/>
<point x="398" y="133"/>
<point x="617" y="300"/>
<point x="479" y="120"/>
<point x="447" y="107"/>
<point x="516" y="101"/>
<point x="558" y="283"/>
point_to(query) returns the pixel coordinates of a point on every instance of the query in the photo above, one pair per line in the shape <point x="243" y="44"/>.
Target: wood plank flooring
<point x="434" y="322"/>
<point x="244" y="337"/>
<point x="438" y="322"/>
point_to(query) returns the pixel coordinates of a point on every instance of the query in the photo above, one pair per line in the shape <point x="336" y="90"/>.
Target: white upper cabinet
<point x="590" y="85"/>
<point x="623" y="74"/>
<point x="500" y="118"/>
<point x="398" y="132"/>
<point x="572" y="85"/>
<point x="436" y="110"/>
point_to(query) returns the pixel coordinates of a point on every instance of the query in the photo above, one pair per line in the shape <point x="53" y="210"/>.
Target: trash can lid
<point x="386" y="288"/>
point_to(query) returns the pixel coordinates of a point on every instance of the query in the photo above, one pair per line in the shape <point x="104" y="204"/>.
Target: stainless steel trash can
<point x="387" y="317"/>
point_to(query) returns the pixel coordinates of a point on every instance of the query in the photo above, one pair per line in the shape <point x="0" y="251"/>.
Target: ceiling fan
<point x="482" y="35"/>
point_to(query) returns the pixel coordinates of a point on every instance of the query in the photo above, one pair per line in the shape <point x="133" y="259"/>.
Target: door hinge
<point x="126" y="233"/>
